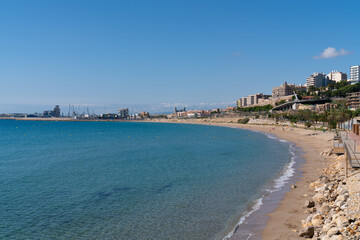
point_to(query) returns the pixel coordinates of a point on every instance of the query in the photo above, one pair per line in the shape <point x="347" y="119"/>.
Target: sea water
<point x="129" y="180"/>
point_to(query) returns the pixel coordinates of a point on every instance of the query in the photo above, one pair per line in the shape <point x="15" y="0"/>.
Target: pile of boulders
<point x="334" y="210"/>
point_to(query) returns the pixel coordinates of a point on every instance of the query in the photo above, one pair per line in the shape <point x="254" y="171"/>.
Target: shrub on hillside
<point x="243" y="121"/>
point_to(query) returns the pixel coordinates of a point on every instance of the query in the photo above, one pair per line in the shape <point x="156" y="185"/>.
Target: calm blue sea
<point x="123" y="180"/>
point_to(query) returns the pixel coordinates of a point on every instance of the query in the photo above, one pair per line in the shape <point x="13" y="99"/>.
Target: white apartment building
<point x="317" y="80"/>
<point x="252" y="99"/>
<point x="337" y="76"/>
<point x="354" y="74"/>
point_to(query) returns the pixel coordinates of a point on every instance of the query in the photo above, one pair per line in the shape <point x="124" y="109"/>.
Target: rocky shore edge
<point x="334" y="210"/>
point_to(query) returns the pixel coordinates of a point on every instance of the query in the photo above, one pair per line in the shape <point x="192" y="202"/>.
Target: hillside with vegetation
<point x="340" y="89"/>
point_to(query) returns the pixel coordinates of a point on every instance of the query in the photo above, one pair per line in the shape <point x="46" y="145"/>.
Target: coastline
<point x="284" y="222"/>
<point x="252" y="223"/>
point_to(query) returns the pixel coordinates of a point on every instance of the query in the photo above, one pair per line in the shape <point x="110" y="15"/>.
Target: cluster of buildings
<point x="182" y="113"/>
<point x="123" y="114"/>
<point x="281" y="94"/>
<point x="52" y="113"/>
<point x="321" y="80"/>
<point x="316" y="80"/>
<point x="261" y="99"/>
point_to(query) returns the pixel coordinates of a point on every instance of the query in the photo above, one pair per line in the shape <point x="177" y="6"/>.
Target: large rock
<point x="307" y="232"/>
<point x="326" y="227"/>
<point x="309" y="204"/>
<point x="324" y="179"/>
<point x="317" y="222"/>
<point x="342" y="221"/>
<point x="309" y="218"/>
<point x="333" y="231"/>
<point x="337" y="237"/>
<point x="315" y="184"/>
<point x="319" y="197"/>
<point x="333" y="196"/>
<point x="324" y="209"/>
<point x="334" y="237"/>
<point x="321" y="189"/>
<point x="317" y="216"/>
<point x="341" y="198"/>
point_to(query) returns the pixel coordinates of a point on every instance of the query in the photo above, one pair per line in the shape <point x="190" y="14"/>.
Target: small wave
<point x="275" y="138"/>
<point x="254" y="208"/>
<point x="271" y="136"/>
<point x="287" y="172"/>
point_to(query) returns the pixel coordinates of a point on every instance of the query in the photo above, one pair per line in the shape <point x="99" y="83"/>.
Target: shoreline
<point x="284" y="222"/>
<point x="252" y="223"/>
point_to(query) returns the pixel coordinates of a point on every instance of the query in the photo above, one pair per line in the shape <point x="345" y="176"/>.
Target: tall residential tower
<point x="354" y="74"/>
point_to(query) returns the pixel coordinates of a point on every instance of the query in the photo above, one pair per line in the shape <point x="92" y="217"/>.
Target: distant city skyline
<point x="162" y="108"/>
<point x="156" y="55"/>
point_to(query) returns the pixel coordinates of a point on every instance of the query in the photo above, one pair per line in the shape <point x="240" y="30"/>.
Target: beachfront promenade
<point x="350" y="142"/>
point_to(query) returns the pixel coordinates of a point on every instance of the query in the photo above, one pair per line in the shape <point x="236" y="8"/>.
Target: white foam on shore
<point x="286" y="174"/>
<point x="258" y="203"/>
<point x="289" y="168"/>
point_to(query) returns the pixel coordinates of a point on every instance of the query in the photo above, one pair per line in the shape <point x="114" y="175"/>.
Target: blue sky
<point x="153" y="55"/>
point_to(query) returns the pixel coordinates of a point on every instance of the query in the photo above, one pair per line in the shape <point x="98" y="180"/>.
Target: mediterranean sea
<point x="130" y="180"/>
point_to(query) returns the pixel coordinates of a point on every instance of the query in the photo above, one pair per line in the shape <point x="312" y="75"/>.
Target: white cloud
<point x="331" y="52"/>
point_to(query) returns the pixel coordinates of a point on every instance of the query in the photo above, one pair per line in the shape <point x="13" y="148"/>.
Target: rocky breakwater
<point x="334" y="210"/>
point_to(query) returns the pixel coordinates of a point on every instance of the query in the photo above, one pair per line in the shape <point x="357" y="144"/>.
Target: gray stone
<point x="341" y="198"/>
<point x="312" y="210"/>
<point x="309" y="218"/>
<point x="327" y="227"/>
<point x="317" y="222"/>
<point x="324" y="209"/>
<point x="342" y="221"/>
<point x="337" y="237"/>
<point x="319" y="197"/>
<point x="321" y="189"/>
<point x="317" y="216"/>
<point x="307" y="232"/>
<point x="324" y="179"/>
<point x="333" y="231"/>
